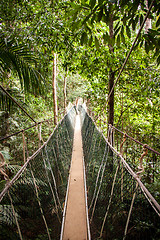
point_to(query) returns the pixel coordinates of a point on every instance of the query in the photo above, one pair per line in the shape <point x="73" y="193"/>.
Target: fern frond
<point x="7" y="216"/>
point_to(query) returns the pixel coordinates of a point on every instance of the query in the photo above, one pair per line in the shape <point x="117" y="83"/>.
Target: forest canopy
<point x="91" y="39"/>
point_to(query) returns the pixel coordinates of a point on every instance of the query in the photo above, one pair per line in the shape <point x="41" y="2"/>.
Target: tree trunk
<point x="111" y="99"/>
<point x="122" y="111"/>
<point x="111" y="77"/>
<point x="65" y="92"/>
<point x="55" y="110"/>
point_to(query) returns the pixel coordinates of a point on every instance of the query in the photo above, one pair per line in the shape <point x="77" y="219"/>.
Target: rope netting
<point x="31" y="203"/>
<point x="120" y="206"/>
<point x="132" y="152"/>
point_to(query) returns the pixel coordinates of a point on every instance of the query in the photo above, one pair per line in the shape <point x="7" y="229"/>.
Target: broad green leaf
<point x="92" y="3"/>
<point x="116" y="32"/>
<point x="133" y="25"/>
<point x="130" y="21"/>
<point x="100" y="2"/>
<point x="97" y="43"/>
<point x="93" y="19"/>
<point x="122" y="29"/>
<point x="141" y="44"/>
<point x="122" y="36"/>
<point x="158" y="60"/>
<point x="156" y="52"/>
<point x="104" y="38"/>
<point x="136" y="19"/>
<point x="84" y="38"/>
<point x="128" y="31"/>
<point x="116" y="26"/>
<point x="90" y="41"/>
<point x="141" y="19"/>
<point x="118" y="40"/>
<point x="100" y="14"/>
<point x="146" y="47"/>
<point x="124" y="20"/>
<point x="154" y="32"/>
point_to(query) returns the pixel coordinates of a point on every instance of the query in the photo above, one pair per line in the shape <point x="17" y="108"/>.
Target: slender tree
<point x="65" y="92"/>
<point x="55" y="109"/>
<point x="111" y="75"/>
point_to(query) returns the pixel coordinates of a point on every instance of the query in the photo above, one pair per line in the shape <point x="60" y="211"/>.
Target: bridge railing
<point x="12" y="144"/>
<point x="31" y="202"/>
<point x="120" y="206"/>
<point x="132" y="151"/>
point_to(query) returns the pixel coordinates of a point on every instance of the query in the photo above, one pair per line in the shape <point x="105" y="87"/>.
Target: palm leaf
<point x="18" y="58"/>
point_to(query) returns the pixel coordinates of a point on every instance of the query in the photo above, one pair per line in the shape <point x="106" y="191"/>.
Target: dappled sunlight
<point x="78" y="123"/>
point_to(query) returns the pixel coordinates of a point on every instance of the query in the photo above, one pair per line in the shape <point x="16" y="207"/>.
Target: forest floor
<point x="75" y="227"/>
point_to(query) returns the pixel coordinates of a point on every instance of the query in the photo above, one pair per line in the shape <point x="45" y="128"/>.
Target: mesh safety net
<point x="32" y="206"/>
<point x="118" y="207"/>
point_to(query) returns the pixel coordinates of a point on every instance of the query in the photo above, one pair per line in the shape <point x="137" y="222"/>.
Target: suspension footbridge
<point x="81" y="183"/>
<point x="75" y="216"/>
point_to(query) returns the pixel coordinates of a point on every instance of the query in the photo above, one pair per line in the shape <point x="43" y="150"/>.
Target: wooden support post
<point x="55" y="109"/>
<point x="65" y="92"/>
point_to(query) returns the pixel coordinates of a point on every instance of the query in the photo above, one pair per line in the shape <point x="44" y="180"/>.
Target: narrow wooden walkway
<point x="75" y="226"/>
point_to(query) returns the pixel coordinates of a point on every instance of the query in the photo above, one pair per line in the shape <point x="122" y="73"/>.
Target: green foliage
<point x="6" y="103"/>
<point x="8" y="216"/>
<point x="126" y="17"/>
<point x="42" y="236"/>
<point x="19" y="58"/>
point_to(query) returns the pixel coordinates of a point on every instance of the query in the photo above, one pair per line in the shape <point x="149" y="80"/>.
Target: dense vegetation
<point x="91" y="39"/>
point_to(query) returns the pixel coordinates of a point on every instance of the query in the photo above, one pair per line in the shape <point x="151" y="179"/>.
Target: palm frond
<point x="20" y="59"/>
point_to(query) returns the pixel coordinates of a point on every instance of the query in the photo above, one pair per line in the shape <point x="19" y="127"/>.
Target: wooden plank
<point x="75" y="226"/>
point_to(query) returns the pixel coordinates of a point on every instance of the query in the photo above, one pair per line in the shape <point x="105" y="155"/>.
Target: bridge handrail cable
<point x="147" y="194"/>
<point x="18" y="174"/>
<point x="133" y="139"/>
